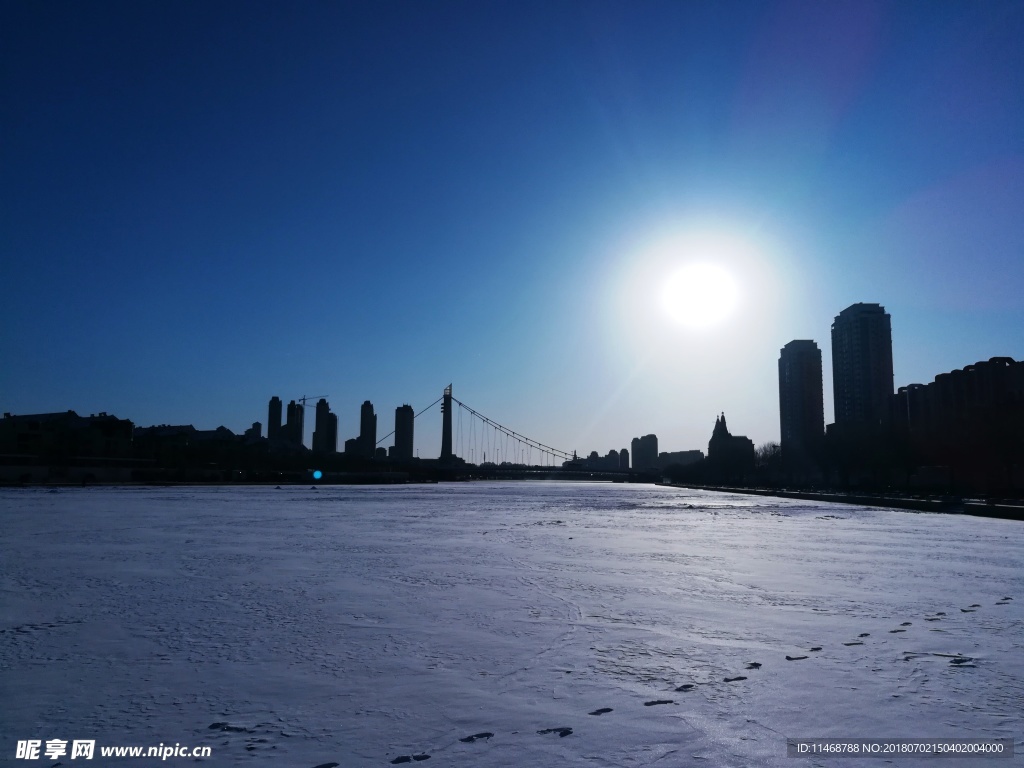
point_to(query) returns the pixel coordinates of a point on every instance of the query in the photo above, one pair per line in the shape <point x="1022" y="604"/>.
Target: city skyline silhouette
<point x="204" y="209"/>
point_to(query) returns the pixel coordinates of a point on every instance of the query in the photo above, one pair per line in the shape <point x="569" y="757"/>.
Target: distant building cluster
<point x="645" y="457"/>
<point x="325" y="431"/>
<point x="967" y="422"/>
<point x="963" y="431"/>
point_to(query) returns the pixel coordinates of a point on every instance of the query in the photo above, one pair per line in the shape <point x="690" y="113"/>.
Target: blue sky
<point x="207" y="204"/>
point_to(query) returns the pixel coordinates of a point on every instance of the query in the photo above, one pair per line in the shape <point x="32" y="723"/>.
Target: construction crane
<point x="303" y="399"/>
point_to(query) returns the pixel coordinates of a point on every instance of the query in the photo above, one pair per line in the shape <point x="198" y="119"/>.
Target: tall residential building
<point x="404" y="420"/>
<point x="367" y="430"/>
<point x="274" y="419"/>
<point x="801" y="403"/>
<point x="862" y="381"/>
<point x="325" y="429"/>
<point x="294" y="430"/>
<point x="645" y="452"/>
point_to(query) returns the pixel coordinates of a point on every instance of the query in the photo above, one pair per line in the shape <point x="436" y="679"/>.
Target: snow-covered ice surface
<point x="358" y="625"/>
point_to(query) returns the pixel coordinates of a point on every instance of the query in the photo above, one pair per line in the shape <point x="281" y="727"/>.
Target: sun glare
<point x="699" y="295"/>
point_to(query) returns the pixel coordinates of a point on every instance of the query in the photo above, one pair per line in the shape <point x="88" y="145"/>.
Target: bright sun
<point x="700" y="295"/>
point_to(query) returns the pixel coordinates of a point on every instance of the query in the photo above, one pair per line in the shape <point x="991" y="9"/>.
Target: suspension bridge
<point x="470" y="439"/>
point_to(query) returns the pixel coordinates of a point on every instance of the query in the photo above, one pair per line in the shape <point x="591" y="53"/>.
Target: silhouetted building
<point x="970" y="420"/>
<point x="60" y="436"/>
<point x="367" y="430"/>
<point x="294" y="430"/>
<point x="274" y="419"/>
<point x="183" y="443"/>
<point x="645" y="452"/>
<point x="862" y="380"/>
<point x="801" y="403"/>
<point x="679" y="458"/>
<point x="731" y="457"/>
<point x="597" y="463"/>
<point x="325" y="429"/>
<point x="255" y="432"/>
<point x="405" y="418"/>
<point x="624" y="460"/>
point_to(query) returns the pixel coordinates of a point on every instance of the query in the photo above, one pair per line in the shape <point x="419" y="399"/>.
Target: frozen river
<point x="501" y="624"/>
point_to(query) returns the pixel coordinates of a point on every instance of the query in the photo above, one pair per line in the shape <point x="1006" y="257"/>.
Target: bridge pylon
<point x="446" y="425"/>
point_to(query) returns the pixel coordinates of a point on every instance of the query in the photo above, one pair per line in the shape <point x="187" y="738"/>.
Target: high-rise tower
<point x="862" y="366"/>
<point x="404" y="420"/>
<point x="645" y="452"/>
<point x="274" y="419"/>
<point x="801" y="403"/>
<point x="294" y="430"/>
<point x="367" y="430"/>
<point x="325" y="429"/>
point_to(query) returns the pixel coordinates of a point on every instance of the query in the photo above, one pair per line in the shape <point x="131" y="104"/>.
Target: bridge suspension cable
<point x="523" y="444"/>
<point x="415" y="416"/>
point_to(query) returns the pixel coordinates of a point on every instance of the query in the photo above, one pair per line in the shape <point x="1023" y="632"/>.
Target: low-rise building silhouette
<point x="678" y="458"/>
<point x="730" y="457"/>
<point x="970" y="420"/>
<point x="66" y="435"/>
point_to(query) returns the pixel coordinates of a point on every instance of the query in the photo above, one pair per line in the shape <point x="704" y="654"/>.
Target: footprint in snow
<point x="686" y="687"/>
<point x="327" y="765"/>
<point x="562" y="732"/>
<point x="815" y="648"/>
<point x="410" y="758"/>
<point x="601" y="711"/>
<point x="475" y="736"/>
<point x="229" y="727"/>
<point x="753" y="665"/>
<point x="733" y="679"/>
<point x="864" y="634"/>
<point x="656" y="702"/>
<point x="795" y="658"/>
<point x="855" y="642"/>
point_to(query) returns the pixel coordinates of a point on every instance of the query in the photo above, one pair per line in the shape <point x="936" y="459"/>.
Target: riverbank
<point x="941" y="504"/>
